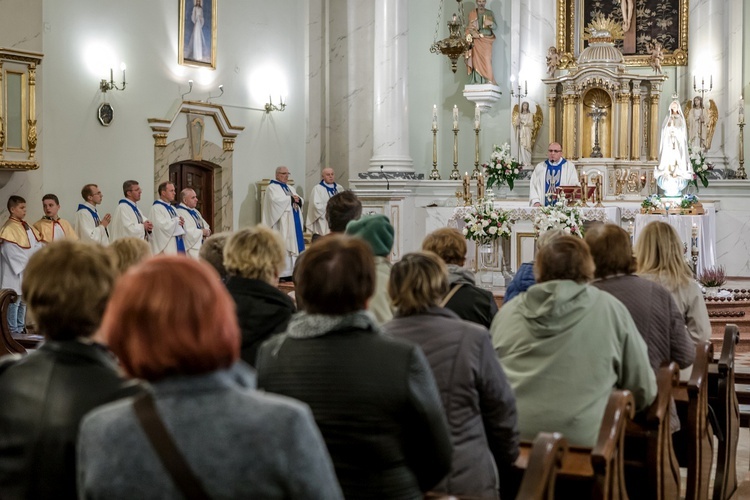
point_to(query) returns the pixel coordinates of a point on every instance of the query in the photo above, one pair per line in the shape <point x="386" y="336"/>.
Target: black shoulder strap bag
<point x="166" y="449"/>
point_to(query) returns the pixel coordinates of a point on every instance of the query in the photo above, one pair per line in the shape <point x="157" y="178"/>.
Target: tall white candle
<point x="434" y="117"/>
<point x="741" y="118"/>
<point x="477" y="117"/>
<point x="455" y="117"/>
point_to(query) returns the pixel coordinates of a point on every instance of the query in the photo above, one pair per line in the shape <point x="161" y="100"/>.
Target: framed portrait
<point x="197" y="44"/>
<point x="644" y="22"/>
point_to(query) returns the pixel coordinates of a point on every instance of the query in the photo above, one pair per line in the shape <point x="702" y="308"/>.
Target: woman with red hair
<point x="171" y="322"/>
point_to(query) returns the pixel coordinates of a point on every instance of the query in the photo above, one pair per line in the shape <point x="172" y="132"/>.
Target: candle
<point x="526" y="87"/>
<point x="694" y="242"/>
<point x="111" y="75"/>
<point x="467" y="186"/>
<point x="477" y="117"/>
<point x="122" y="67"/>
<point x="630" y="228"/>
<point x="455" y="117"/>
<point x="434" y="118"/>
<point x="741" y="118"/>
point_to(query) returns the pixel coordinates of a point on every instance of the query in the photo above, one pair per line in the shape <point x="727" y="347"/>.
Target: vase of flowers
<point x="559" y="216"/>
<point x="700" y="167"/>
<point x="485" y="225"/>
<point x="712" y="278"/>
<point x="502" y="169"/>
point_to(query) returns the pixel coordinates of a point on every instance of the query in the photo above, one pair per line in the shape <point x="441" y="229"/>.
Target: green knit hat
<point x="376" y="230"/>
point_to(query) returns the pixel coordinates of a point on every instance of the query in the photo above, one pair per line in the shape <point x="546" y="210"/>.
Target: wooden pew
<point x="545" y="459"/>
<point x="694" y="442"/>
<point x="723" y="400"/>
<point x="651" y="467"/>
<point x="8" y="344"/>
<point x="598" y="472"/>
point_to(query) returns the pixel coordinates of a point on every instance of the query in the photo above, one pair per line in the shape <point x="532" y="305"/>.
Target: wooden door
<point x="198" y="176"/>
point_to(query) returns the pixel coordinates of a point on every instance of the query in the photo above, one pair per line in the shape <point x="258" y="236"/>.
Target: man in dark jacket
<point x="46" y="394"/>
<point x="467" y="300"/>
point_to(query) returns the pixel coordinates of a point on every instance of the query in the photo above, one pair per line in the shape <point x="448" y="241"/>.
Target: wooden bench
<point x="545" y="460"/>
<point x="9" y="344"/>
<point x="694" y="442"/>
<point x="598" y="472"/>
<point x="651" y="468"/>
<point x="722" y="398"/>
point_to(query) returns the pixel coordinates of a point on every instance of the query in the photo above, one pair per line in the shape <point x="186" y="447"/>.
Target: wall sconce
<point x="271" y="107"/>
<point x="105" y="85"/>
<point x="190" y="89"/>
<point x="221" y="93"/>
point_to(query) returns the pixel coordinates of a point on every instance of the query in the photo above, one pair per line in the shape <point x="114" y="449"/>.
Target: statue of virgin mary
<point x="674" y="170"/>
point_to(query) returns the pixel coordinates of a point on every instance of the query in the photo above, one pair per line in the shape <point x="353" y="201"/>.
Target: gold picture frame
<point x="571" y="22"/>
<point x="202" y="41"/>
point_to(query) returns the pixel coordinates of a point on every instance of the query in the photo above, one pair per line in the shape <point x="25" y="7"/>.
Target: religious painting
<point x="197" y="43"/>
<point x="647" y="24"/>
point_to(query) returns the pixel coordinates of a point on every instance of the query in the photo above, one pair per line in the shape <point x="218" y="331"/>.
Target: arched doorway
<point x="199" y="176"/>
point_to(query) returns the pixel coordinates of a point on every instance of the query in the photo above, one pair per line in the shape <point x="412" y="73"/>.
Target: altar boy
<point x="18" y="242"/>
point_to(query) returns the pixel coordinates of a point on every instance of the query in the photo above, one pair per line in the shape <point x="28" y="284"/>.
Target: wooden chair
<point x="722" y="398"/>
<point x="598" y="472"/>
<point x="545" y="459"/>
<point x="694" y="443"/>
<point x="651" y="467"/>
<point x="9" y="344"/>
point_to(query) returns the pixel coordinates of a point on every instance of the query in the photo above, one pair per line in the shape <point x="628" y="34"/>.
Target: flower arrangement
<point x="652" y="202"/>
<point x="502" y="168"/>
<point x="484" y="223"/>
<point x="559" y="216"/>
<point x="688" y="200"/>
<point x="700" y="167"/>
<point x="713" y="277"/>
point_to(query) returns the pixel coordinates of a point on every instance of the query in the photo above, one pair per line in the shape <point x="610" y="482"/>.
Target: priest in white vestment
<point x="90" y="226"/>
<point x="128" y="219"/>
<point x="316" y="209"/>
<point x="167" y="235"/>
<point x="549" y="175"/>
<point x="196" y="227"/>
<point x="282" y="211"/>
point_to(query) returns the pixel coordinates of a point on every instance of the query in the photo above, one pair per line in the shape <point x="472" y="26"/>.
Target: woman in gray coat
<point x="172" y="323"/>
<point x="477" y="397"/>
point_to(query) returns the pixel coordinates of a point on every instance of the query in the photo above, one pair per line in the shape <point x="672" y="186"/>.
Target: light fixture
<point x="105" y="85"/>
<point x="190" y="89"/>
<point x="456" y="44"/>
<point x="270" y="106"/>
<point x="221" y="93"/>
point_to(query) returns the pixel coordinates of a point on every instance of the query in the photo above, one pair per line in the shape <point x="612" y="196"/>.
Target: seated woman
<point x="237" y="443"/>
<point x="46" y="394"/>
<point x="524" y="278"/>
<point x="660" y="258"/>
<point x="374" y="397"/>
<point x="566" y="345"/>
<point x="253" y="258"/>
<point x="477" y="398"/>
<point x="651" y="306"/>
<point x="464" y="298"/>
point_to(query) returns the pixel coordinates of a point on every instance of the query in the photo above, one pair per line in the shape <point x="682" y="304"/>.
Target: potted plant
<point x="712" y="278"/>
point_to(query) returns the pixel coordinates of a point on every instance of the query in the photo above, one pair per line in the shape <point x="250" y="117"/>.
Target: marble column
<point x="390" y="121"/>
<point x="654" y="130"/>
<point x="707" y="47"/>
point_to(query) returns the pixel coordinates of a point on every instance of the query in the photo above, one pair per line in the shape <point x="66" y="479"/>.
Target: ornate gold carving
<point x="160" y="139"/>
<point x="18" y="165"/>
<point x="228" y="144"/>
<point x="32" y="138"/>
<point x="603" y="29"/>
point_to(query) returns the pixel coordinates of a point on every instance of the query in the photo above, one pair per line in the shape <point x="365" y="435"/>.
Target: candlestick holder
<point x="584" y="191"/>
<point x="741" y="174"/>
<point x="476" y="172"/>
<point x="598" y="192"/>
<point x="434" y="174"/>
<point x="455" y="175"/>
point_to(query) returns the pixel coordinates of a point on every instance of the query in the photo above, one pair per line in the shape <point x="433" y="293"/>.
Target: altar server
<point x="51" y="226"/>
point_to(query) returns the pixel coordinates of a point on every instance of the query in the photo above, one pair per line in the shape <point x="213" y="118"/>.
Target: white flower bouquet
<point x="559" y="216"/>
<point x="700" y="167"/>
<point x="484" y="223"/>
<point x="502" y="168"/>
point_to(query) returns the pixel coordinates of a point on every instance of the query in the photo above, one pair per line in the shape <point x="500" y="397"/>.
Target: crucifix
<point x="597" y="114"/>
<point x="628" y="26"/>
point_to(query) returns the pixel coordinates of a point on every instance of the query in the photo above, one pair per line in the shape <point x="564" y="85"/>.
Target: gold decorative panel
<point x="18" y="125"/>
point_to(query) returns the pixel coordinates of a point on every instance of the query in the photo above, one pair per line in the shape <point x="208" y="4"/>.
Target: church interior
<point x="381" y="92"/>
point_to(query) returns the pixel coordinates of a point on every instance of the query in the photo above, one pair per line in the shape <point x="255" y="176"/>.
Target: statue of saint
<point x="674" y="170"/>
<point x="527" y="125"/>
<point x="479" y="57"/>
<point x="656" y="57"/>
<point x="553" y="59"/>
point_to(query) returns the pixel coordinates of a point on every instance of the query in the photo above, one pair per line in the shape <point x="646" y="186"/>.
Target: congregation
<point x="174" y="363"/>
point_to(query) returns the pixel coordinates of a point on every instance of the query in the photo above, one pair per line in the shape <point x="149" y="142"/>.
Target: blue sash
<point x="331" y="190"/>
<point x="297" y="221"/>
<point x="195" y="216"/>
<point x="135" y="209"/>
<point x="553" y="172"/>
<point x="93" y="213"/>
<point x="171" y="211"/>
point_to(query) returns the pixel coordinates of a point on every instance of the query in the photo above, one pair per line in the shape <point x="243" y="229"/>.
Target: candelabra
<point x="434" y="174"/>
<point x="741" y="174"/>
<point x="475" y="174"/>
<point x="702" y="90"/>
<point x="105" y="85"/>
<point x="519" y="95"/>
<point x="455" y="175"/>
